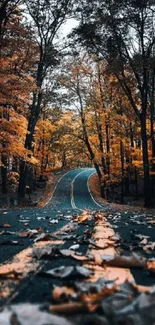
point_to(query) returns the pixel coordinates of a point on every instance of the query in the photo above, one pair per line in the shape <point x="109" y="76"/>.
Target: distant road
<point x="72" y="191"/>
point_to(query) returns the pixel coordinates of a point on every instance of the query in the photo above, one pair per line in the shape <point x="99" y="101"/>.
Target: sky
<point x="68" y="26"/>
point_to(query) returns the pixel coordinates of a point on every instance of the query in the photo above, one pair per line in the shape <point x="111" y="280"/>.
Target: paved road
<point x="71" y="196"/>
<point x="72" y="191"/>
<point x="65" y="200"/>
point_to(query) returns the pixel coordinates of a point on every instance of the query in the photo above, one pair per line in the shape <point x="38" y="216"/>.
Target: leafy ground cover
<point x="83" y="273"/>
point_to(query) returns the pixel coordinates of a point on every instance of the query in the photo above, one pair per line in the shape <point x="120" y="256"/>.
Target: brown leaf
<point x="84" y="216"/>
<point x="23" y="233"/>
<point x="6" y="225"/>
<point x="67" y="308"/>
<point x="151" y="266"/>
<point x="43" y="237"/>
<point x="125" y="261"/>
<point x="92" y="300"/>
<point x="99" y="216"/>
<point x="10" y="274"/>
<point x="80" y="257"/>
<point x="144" y="241"/>
<point x="61" y="292"/>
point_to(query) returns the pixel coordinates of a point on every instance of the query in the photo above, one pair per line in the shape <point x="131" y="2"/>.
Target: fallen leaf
<point x="53" y="221"/>
<point x="150" y="246"/>
<point x="84" y="271"/>
<point x="84" y="216"/>
<point x="141" y="236"/>
<point x="23" y="233"/>
<point x="60" y="293"/>
<point x="42" y="237"/>
<point x="80" y="257"/>
<point x="74" y="247"/>
<point x="66" y="252"/>
<point x="124" y="261"/>
<point x="10" y="274"/>
<point x="144" y="241"/>
<point x="47" y="251"/>
<point x="61" y="272"/>
<point x="67" y="308"/>
<point x="151" y="266"/>
<point x="69" y="271"/>
<point x="6" y="225"/>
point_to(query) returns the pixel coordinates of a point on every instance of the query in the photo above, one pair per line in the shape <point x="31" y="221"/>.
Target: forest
<point x="78" y="98"/>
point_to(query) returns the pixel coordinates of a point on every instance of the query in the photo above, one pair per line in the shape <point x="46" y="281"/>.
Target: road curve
<point x="72" y="191"/>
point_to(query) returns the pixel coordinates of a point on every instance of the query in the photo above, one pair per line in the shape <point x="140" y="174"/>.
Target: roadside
<point x="95" y="190"/>
<point x="38" y="198"/>
<point x="43" y="196"/>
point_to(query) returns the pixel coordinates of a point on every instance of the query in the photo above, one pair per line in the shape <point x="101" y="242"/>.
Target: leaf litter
<point x="102" y="302"/>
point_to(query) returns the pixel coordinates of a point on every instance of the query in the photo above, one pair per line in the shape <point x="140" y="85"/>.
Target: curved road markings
<point x="72" y="191"/>
<point x="90" y="191"/>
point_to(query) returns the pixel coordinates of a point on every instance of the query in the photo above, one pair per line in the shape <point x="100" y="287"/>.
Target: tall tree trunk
<point x="107" y="147"/>
<point x="100" y="138"/>
<point x="25" y="170"/>
<point x="64" y="161"/>
<point x="4" y="173"/>
<point x="152" y="122"/>
<point x="122" y="170"/>
<point x="147" y="184"/>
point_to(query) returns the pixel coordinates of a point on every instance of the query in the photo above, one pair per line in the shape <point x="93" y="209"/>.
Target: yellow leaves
<point x="84" y="216"/>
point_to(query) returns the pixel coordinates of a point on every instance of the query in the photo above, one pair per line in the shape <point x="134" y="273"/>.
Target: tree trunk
<point x="107" y="148"/>
<point x="122" y="170"/>
<point x="4" y="173"/>
<point x="25" y="171"/>
<point x="22" y="179"/>
<point x="148" y="202"/>
<point x="136" y="183"/>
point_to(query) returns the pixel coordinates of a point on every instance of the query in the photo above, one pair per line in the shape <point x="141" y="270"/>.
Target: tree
<point x="123" y="34"/>
<point x="47" y="16"/>
<point x="7" y="8"/>
<point x="17" y="59"/>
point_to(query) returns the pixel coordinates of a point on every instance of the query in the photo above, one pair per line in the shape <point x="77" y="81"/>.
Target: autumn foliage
<point x="77" y="116"/>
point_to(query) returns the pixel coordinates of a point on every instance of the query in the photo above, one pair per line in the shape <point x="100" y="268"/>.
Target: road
<point x="71" y="197"/>
<point x="64" y="200"/>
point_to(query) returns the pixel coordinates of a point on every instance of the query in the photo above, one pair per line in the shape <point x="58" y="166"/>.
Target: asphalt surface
<point x="61" y="202"/>
<point x="71" y="196"/>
